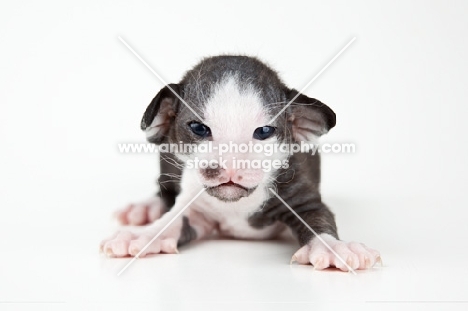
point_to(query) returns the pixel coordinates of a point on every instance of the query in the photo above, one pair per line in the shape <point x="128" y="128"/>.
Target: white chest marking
<point x="231" y="219"/>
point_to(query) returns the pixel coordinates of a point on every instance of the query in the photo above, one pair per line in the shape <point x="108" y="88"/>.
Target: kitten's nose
<point x="230" y="172"/>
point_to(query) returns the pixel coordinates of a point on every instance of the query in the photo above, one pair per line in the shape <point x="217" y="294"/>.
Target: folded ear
<point x="160" y="114"/>
<point x="310" y="118"/>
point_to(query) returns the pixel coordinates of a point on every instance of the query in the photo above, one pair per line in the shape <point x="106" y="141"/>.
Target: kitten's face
<point x="234" y="141"/>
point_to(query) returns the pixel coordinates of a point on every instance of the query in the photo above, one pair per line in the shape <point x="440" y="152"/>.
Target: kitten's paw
<point x="141" y="213"/>
<point x="356" y="255"/>
<point x="125" y="243"/>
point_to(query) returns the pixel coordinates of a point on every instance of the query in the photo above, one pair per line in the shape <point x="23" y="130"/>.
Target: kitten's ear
<point x="160" y="114"/>
<point x="310" y="118"/>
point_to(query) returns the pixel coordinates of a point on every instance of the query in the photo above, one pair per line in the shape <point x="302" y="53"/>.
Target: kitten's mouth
<point x="229" y="191"/>
<point x="232" y="184"/>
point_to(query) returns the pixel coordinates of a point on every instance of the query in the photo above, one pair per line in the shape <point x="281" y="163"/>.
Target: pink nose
<point x="230" y="172"/>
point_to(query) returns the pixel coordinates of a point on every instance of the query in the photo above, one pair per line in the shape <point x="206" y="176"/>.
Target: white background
<point x="70" y="92"/>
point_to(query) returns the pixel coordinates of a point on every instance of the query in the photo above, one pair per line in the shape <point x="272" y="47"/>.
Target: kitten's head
<point x="231" y="114"/>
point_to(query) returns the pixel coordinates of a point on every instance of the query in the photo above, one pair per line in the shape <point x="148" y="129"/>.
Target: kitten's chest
<point x="232" y="220"/>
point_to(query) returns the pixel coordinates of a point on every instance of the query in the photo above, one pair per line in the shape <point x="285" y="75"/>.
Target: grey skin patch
<point x="210" y="173"/>
<point x="169" y="179"/>
<point x="298" y="185"/>
<point x="200" y="82"/>
<point x="187" y="233"/>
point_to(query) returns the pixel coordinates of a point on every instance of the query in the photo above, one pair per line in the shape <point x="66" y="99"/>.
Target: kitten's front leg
<point x="327" y="250"/>
<point x="178" y="226"/>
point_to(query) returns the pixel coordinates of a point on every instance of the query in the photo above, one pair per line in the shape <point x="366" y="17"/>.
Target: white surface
<point x="71" y="92"/>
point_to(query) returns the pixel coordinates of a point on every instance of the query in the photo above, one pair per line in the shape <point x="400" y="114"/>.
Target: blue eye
<point x="200" y="129"/>
<point x="263" y="132"/>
